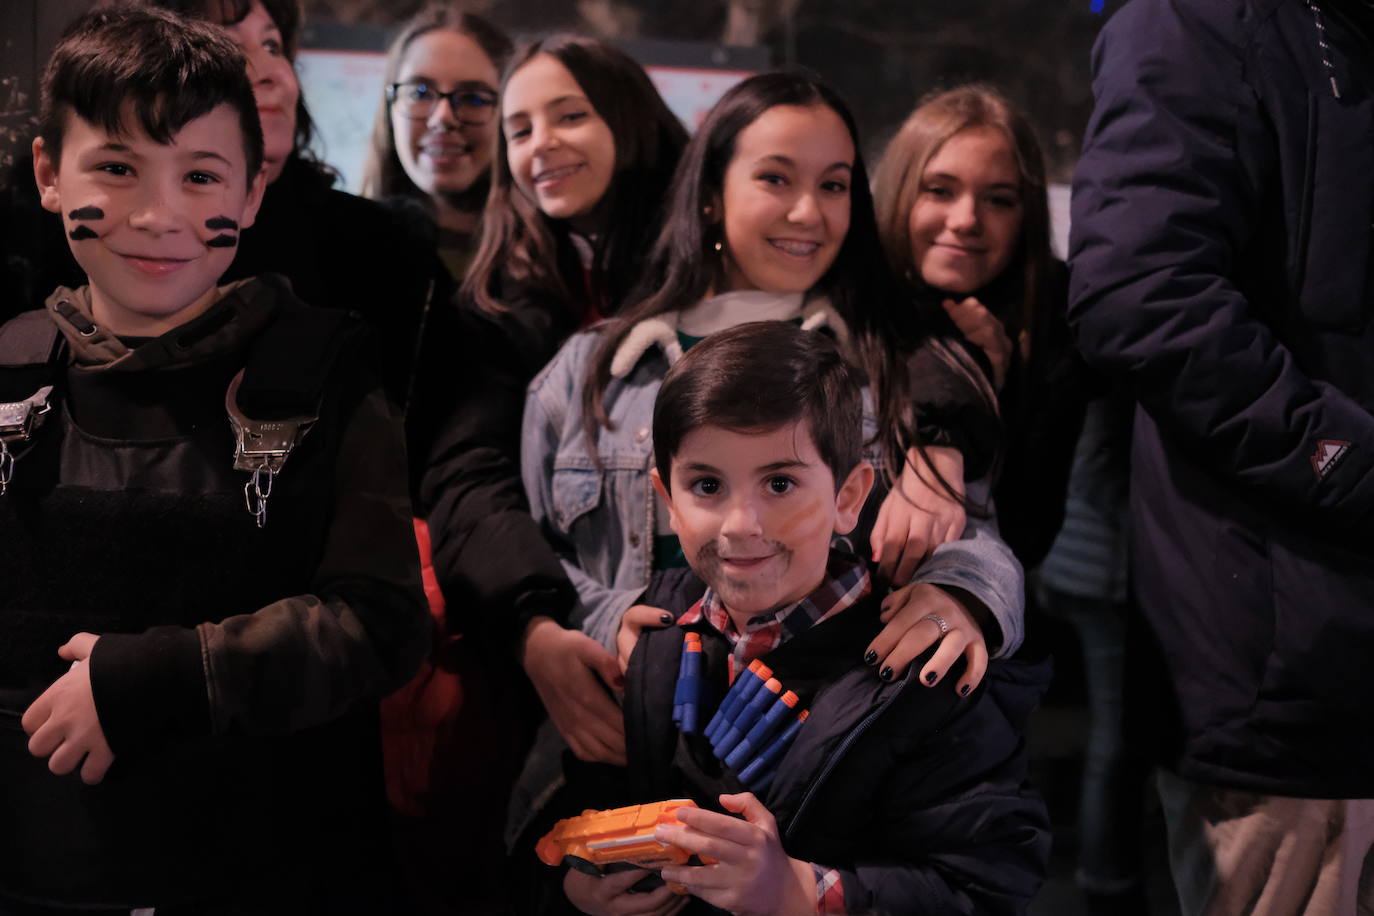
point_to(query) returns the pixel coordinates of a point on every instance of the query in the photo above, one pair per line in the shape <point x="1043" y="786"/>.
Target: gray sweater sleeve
<point x="983" y="565"/>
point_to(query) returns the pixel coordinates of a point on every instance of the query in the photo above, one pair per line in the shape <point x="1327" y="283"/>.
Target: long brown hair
<point x="522" y="244"/>
<point x="898" y="182"/>
<point x="383" y="175"/>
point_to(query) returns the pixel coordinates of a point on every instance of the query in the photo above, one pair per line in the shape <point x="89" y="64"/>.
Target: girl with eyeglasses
<point x="435" y="131"/>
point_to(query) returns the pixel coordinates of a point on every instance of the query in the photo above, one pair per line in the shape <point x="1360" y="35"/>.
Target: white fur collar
<point x="718" y="313"/>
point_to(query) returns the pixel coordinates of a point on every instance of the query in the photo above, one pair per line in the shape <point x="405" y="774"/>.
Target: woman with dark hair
<point x="770" y="218"/>
<point x="964" y="216"/>
<point x="582" y="239"/>
<point x="545" y="267"/>
<point x="584" y="155"/>
<point x="436" y="126"/>
<point x="337" y="249"/>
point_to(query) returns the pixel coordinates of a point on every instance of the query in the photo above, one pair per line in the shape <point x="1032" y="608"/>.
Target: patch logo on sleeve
<point x="1328" y="454"/>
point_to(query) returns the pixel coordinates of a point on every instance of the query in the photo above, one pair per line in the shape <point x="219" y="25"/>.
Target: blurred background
<point x="882" y="55"/>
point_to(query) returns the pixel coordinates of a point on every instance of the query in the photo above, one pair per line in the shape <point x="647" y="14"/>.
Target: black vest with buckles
<point x="125" y="512"/>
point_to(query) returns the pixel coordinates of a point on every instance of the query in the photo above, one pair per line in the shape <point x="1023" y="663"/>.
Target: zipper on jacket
<point x="839" y="753"/>
<point x="651" y="522"/>
<point x="1325" y="49"/>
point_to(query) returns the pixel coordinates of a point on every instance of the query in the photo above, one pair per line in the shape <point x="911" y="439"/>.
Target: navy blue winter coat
<point x="917" y="796"/>
<point x="1221" y="260"/>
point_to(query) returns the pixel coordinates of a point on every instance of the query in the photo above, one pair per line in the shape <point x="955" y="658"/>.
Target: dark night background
<point x="882" y="55"/>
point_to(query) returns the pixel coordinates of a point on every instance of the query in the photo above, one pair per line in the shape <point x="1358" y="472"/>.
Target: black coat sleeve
<point x="1168" y="197"/>
<point x="495" y="567"/>
<point x="1043" y="405"/>
<point x="955" y="403"/>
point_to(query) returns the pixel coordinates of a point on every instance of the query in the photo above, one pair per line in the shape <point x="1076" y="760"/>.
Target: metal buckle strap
<point x="18" y="422"/>
<point x="261" y="447"/>
<point x="6" y="467"/>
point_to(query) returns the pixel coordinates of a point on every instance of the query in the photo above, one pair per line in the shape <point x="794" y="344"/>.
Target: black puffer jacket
<point x="1223" y="220"/>
<point x="915" y="795"/>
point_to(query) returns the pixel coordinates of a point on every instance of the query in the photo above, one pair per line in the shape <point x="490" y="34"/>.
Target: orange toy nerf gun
<point x="597" y="842"/>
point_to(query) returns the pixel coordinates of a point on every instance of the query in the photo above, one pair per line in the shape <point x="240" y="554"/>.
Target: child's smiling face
<point x="154" y="226"/>
<point x="755" y="512"/>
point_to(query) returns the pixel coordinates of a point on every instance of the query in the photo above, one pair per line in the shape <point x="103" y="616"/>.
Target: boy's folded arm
<point x="981" y="565"/>
<point x="302" y="660"/>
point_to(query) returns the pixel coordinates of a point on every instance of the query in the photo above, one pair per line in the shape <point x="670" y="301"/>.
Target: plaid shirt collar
<point x="846" y="582"/>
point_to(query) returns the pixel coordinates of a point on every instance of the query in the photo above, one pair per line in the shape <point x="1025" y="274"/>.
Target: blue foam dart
<point x="751" y="713"/>
<point x="743" y="690"/>
<point x="763" y="729"/>
<point x="759" y="774"/>
<point x="680" y="689"/>
<point x="691" y="680"/>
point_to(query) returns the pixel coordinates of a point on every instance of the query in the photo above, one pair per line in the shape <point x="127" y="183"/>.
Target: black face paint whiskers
<point x="81" y="233"/>
<point x="222" y="240"/>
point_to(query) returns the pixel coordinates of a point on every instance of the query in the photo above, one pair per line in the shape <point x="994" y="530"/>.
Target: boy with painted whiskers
<point x="892" y="797"/>
<point x="188" y="688"/>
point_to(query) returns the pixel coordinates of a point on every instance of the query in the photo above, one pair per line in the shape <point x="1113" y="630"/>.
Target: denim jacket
<point x="602" y="521"/>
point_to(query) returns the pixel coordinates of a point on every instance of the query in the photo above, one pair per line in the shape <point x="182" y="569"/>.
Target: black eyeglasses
<point x="417" y="99"/>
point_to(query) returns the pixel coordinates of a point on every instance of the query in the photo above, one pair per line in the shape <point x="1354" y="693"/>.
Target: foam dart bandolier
<point x="756" y="721"/>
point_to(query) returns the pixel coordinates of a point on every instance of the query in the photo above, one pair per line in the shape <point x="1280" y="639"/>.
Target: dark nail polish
<point x="930" y="677"/>
<point x="886" y="673"/>
<point x="963" y="691"/>
<point x="870" y="657"/>
<point x="665" y="618"/>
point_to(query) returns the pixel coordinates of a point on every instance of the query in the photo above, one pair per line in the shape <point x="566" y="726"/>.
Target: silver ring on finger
<point x="939" y="622"/>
